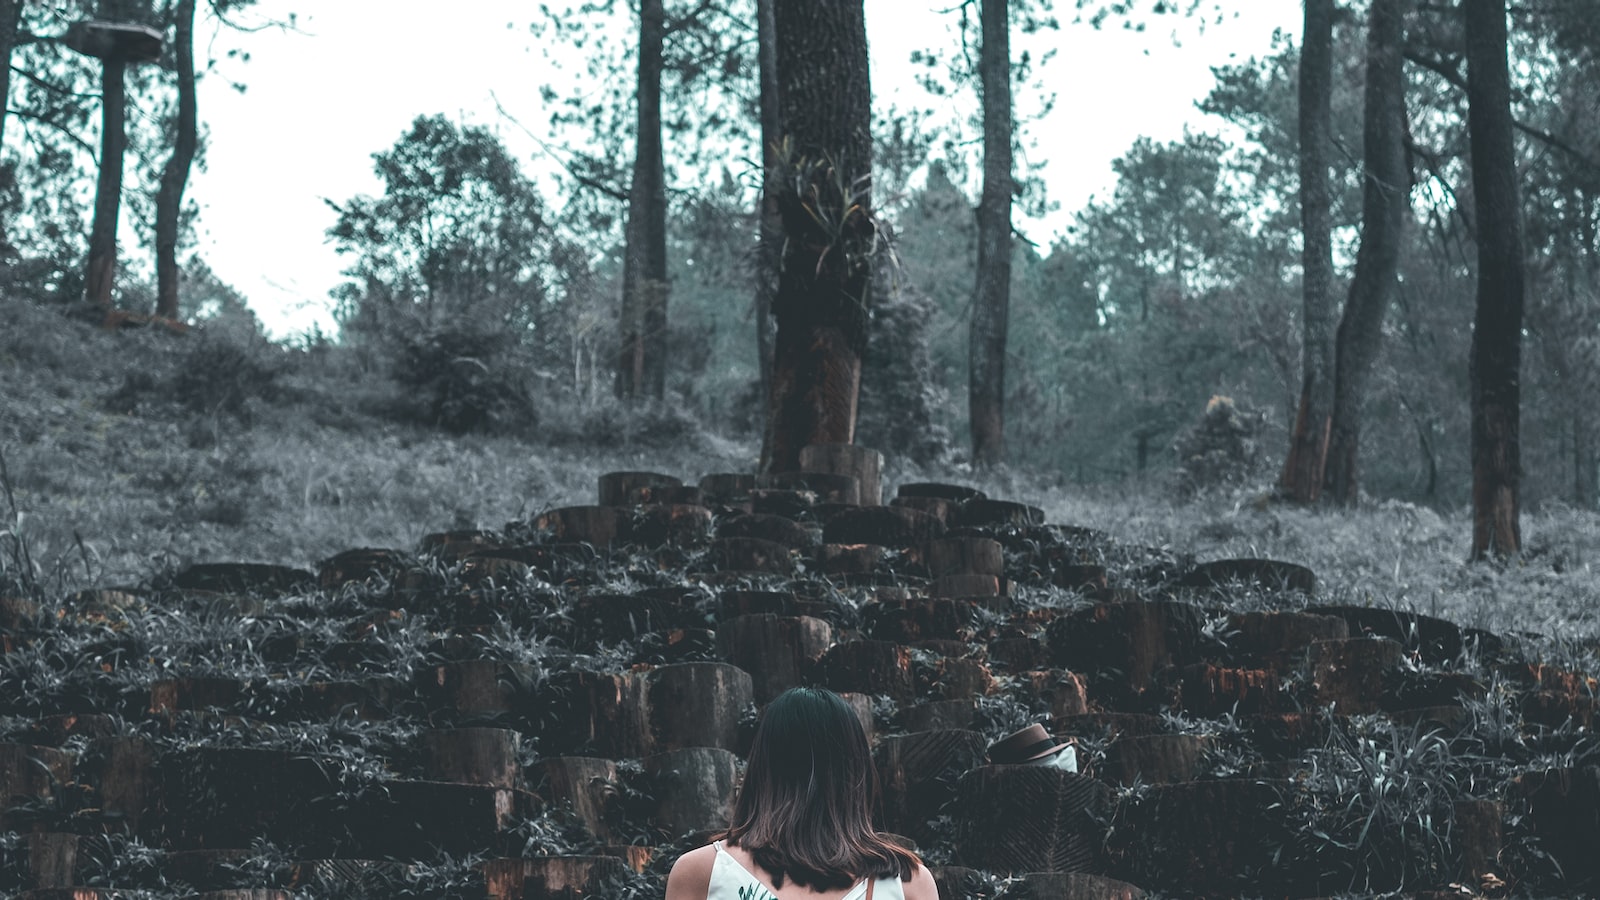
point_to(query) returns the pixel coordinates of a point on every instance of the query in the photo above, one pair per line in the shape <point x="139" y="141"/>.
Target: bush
<point x="1221" y="450"/>
<point x="465" y="378"/>
<point x="222" y="374"/>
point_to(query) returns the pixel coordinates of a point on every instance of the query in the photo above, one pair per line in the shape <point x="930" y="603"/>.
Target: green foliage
<point x="464" y="377"/>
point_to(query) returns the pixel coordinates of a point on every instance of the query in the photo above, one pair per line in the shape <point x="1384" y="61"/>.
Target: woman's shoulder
<point x="690" y="877"/>
<point x="921" y="886"/>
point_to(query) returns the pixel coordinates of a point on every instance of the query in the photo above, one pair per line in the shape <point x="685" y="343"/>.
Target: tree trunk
<point x="824" y="200"/>
<point x="770" y="246"/>
<point x="1384" y="200"/>
<point x="642" y="367"/>
<point x="1308" y="445"/>
<point x="991" y="298"/>
<point x="1496" y="362"/>
<point x="102" y="265"/>
<point x="10" y="25"/>
<point x="169" y="201"/>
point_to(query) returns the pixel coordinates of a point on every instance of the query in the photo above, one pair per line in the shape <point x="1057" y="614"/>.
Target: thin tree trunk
<point x="770" y="244"/>
<point x="10" y="26"/>
<point x="1384" y="200"/>
<point x="169" y="201"/>
<point x="1308" y="445"/>
<point x="102" y="265"/>
<point x="642" y="367"/>
<point x="1496" y="362"/>
<point x="991" y="298"/>
<point x="823" y="185"/>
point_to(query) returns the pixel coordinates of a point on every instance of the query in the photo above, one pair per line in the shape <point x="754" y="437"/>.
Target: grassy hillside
<point x="139" y="452"/>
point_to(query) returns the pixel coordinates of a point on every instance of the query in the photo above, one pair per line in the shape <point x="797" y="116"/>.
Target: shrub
<point x="1221" y="450"/>
<point x="220" y="374"/>
<point x="465" y="377"/>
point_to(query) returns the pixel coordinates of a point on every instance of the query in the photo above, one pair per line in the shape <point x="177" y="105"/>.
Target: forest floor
<point x="134" y="453"/>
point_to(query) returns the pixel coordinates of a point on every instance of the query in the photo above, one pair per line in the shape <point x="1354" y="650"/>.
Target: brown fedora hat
<point x="1024" y="746"/>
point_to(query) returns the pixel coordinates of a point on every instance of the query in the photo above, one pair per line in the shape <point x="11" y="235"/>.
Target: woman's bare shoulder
<point x="690" y="878"/>
<point x="921" y="886"/>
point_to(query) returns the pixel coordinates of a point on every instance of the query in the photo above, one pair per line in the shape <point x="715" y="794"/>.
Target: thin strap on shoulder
<point x="871" y="883"/>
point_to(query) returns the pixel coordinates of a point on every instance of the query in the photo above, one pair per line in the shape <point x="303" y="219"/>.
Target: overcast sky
<point x="320" y="100"/>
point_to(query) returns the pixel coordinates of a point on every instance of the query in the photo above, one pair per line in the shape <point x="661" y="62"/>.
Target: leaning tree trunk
<point x="642" y="367"/>
<point x="10" y="27"/>
<point x="102" y="266"/>
<point x="991" y="298"/>
<point x="1497" y="328"/>
<point x="1308" y="446"/>
<point x="822" y="183"/>
<point x="1384" y="197"/>
<point x="770" y="244"/>
<point x="169" y="201"/>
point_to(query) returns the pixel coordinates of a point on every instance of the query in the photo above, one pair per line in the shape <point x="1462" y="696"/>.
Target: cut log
<point x="937" y="507"/>
<point x="475" y="689"/>
<point x="362" y="565"/>
<point x="1564" y="806"/>
<point x="1211" y="838"/>
<point x="597" y="619"/>
<point x="1209" y="691"/>
<point x="1119" y="647"/>
<point x="971" y="586"/>
<point x="171" y="695"/>
<point x="918" y="619"/>
<point x="224" y="798"/>
<point x="29" y="773"/>
<point x="965" y="556"/>
<point x="1478" y="838"/>
<point x="868" y="667"/>
<point x="789" y="503"/>
<point x="551" y="877"/>
<point x="1352" y="674"/>
<point x="1063" y="692"/>
<point x="587" y="786"/>
<point x="777" y="651"/>
<point x="633" y="856"/>
<point x="1279" y="640"/>
<point x="1260" y="574"/>
<point x="728" y="489"/>
<point x="862" y="464"/>
<point x="958" y="493"/>
<point x="888" y="526"/>
<point x="861" y="705"/>
<point x="616" y="488"/>
<point x="955" y="679"/>
<point x="420" y="819"/>
<point x="1433" y="640"/>
<point x="592" y="714"/>
<point x="1014" y="819"/>
<point x="693" y="789"/>
<point x="473" y="756"/>
<point x="52" y="859"/>
<point x="1018" y="654"/>
<point x="919" y="773"/>
<point x="849" y="559"/>
<point x="696" y="705"/>
<point x="985" y="513"/>
<point x="768" y="527"/>
<point x="823" y="487"/>
<point x="597" y="526"/>
<point x="124" y="776"/>
<point x="671" y="525"/>
<point x="245" y="578"/>
<point x="749" y="555"/>
<point x="1153" y="759"/>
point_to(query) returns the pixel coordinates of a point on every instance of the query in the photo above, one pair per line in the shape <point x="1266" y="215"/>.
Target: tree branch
<point x="588" y="181"/>
<point x="29" y="114"/>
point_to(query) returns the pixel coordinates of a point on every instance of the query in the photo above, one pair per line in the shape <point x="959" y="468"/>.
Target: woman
<point x="802" y="824"/>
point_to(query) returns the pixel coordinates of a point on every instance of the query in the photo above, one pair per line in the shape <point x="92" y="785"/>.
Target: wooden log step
<point x="1352" y="674"/>
<point x="734" y="603"/>
<point x="677" y="645"/>
<point x="586" y="785"/>
<point x="937" y="507"/>
<point x="420" y="819"/>
<point x="597" y="526"/>
<point x="123" y="772"/>
<point x="999" y="589"/>
<point x="635" y="857"/>
<point x="919" y="772"/>
<point x="245" y="578"/>
<point x="1152" y="759"/>
<point x="1063" y="693"/>
<point x="224" y="798"/>
<point x="1014" y="819"/>
<point x="1434" y="640"/>
<point x="788" y="503"/>
<point x="1108" y="724"/>
<point x="965" y="556"/>
<point x="1078" y="577"/>
<point x="889" y="526"/>
<point x="434" y="543"/>
<point x="170" y="695"/>
<point x="777" y="651"/>
<point x="958" y="493"/>
<point x="475" y="689"/>
<point x="1279" y="640"/>
<point x="591" y="714"/>
<point x="550" y="877"/>
<point x="1211" y="838"/>
<point x="1564" y="811"/>
<point x="362" y="565"/>
<point x="1073" y="886"/>
<point x="1559" y="709"/>
<point x="1018" y="654"/>
<point x="598" y="619"/>
<point x="29" y="773"/>
<point x="982" y="512"/>
<point x="1210" y="691"/>
<point x="850" y="559"/>
<point x="671" y="525"/>
<point x="618" y="488"/>
<point x="767" y="527"/>
<point x="941" y="715"/>
<point x="863" y="464"/>
<point x="1410" y="689"/>
<point x="487" y="756"/>
<point x="868" y="667"/>
<point x="1260" y="574"/>
<point x="204" y="870"/>
<point x="728" y="488"/>
<point x="919" y="618"/>
<point x="366" y="699"/>
<point x="748" y="555"/>
<point x="696" y="705"/>
<point x="1478" y="836"/>
<point x="1119" y="647"/>
<point x="693" y="789"/>
<point x="947" y="678"/>
<point x="344" y="877"/>
<point x="826" y="487"/>
<point x="1281" y="736"/>
<point x="52" y="859"/>
<point x="862" y="706"/>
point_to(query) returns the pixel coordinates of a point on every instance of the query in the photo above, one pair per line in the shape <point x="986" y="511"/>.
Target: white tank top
<point x="732" y="881"/>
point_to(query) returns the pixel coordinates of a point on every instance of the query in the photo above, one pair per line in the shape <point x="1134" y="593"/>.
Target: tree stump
<point x="918" y="619"/>
<point x="868" y="667"/>
<point x="958" y="493"/>
<point x="1280" y="640"/>
<point x="598" y="619"/>
<point x="52" y="859"/>
<point x="671" y="525"/>
<point x="849" y="559"/>
<point x="1209" y="691"/>
<point x="170" y="695"/>
<point x="476" y="688"/>
<point x="981" y="512"/>
<point x="550" y="877"/>
<point x="1564" y="805"/>
<point x="965" y="556"/>
<point x="420" y="819"/>
<point x="888" y="526"/>
<point x="940" y="715"/>
<point x="767" y="527"/>
<point x="919" y="773"/>
<point x="955" y="679"/>
<point x="937" y="507"/>
<point x="1153" y="759"/>
<point x="597" y="526"/>
<point x="1072" y="886"/>
<point x="1018" y="654"/>
<point x="1063" y="692"/>
<point x="972" y="586"/>
<point x="861" y="705"/>
<point x="1213" y="838"/>
<point x="1352" y="674"/>
<point x="1013" y="819"/>
<point x="473" y="756"/>
<point x="728" y="489"/>
<point x="124" y="779"/>
<point x="617" y="488"/>
<point x="1433" y="640"/>
<point x="1120" y="646"/>
<point x="733" y="604"/>
<point x="223" y="798"/>
<point x="587" y="786"/>
<point x="1478" y="838"/>
<point x="783" y="502"/>
<point x="633" y="856"/>
<point x="696" y="705"/>
<point x="29" y="773"/>
<point x="749" y="555"/>
<point x="777" y="651"/>
<point x="244" y="578"/>
<point x="823" y="487"/>
<point x="863" y="464"/>
<point x="1262" y="574"/>
<point x="592" y="713"/>
<point x="693" y="789"/>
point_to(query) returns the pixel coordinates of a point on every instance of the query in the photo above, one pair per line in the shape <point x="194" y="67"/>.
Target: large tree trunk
<point x="642" y="367"/>
<point x="1384" y="200"/>
<point x="770" y="244"/>
<point x="991" y="297"/>
<point x="1308" y="445"/>
<point x="1497" y="328"/>
<point x="822" y="180"/>
<point x="169" y="201"/>
<point x="102" y="266"/>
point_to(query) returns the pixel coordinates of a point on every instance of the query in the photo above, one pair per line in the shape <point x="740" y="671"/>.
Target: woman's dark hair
<point x="804" y="811"/>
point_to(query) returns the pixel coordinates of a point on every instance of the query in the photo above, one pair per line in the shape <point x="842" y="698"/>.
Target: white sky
<point x="321" y="100"/>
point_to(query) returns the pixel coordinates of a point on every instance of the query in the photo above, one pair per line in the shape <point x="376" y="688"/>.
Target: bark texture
<point x="991" y="298"/>
<point x="1497" y="328"/>
<point x="169" y="201"/>
<point x="1384" y="199"/>
<point x="642" y="367"/>
<point x="1308" y="444"/>
<point x="822" y="185"/>
<point x="770" y="244"/>
<point x="102" y="265"/>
